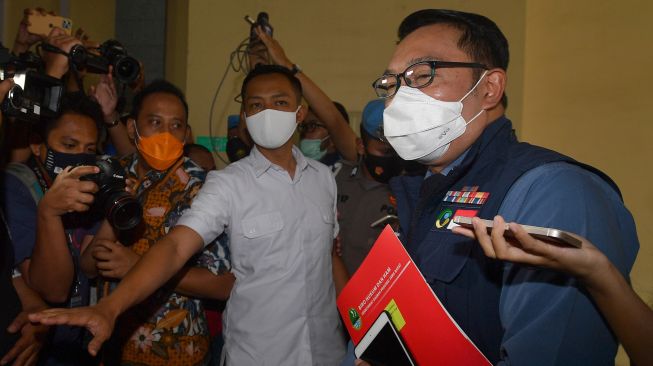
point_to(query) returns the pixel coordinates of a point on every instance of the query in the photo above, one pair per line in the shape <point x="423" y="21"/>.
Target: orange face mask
<point x="160" y="151"/>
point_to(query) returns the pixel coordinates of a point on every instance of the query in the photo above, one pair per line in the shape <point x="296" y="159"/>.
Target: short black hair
<point x="157" y="86"/>
<point x="72" y="103"/>
<point x="481" y="38"/>
<point x="262" y="69"/>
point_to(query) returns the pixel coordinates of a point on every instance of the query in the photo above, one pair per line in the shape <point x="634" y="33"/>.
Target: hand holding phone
<point x="542" y="233"/>
<point x="42" y="23"/>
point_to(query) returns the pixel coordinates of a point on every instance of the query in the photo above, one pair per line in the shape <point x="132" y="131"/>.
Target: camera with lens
<point x="122" y="210"/>
<point x="125" y="67"/>
<point x="34" y="93"/>
<point x="110" y="53"/>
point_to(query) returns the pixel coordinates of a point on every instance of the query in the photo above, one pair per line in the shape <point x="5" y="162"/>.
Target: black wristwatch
<point x="295" y="69"/>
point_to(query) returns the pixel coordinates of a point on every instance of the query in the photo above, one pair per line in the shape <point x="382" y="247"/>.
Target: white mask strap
<point x="473" y="118"/>
<point x="136" y="130"/>
<point x="474" y="87"/>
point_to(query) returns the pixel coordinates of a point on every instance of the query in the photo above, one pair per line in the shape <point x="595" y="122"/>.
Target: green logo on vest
<point x="443" y="218"/>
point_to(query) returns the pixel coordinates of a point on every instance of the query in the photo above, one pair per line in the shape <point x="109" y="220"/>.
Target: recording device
<point x="382" y="344"/>
<point x="34" y="94"/>
<point x="262" y="20"/>
<point x="121" y="209"/>
<point x="110" y="53"/>
<point x="125" y="67"/>
<point x="42" y="24"/>
<point x="542" y="233"/>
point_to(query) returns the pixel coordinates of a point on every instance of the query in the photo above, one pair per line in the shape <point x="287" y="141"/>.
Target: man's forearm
<point x="29" y="299"/>
<point x="162" y="261"/>
<point x="629" y="317"/>
<point x="340" y="275"/>
<point x="341" y="134"/>
<point x="51" y="268"/>
<point x="121" y="140"/>
<point x="202" y="283"/>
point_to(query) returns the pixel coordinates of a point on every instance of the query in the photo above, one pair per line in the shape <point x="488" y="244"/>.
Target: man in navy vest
<point x="445" y="106"/>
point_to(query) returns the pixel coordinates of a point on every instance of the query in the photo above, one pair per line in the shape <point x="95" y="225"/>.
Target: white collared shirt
<point x="282" y="308"/>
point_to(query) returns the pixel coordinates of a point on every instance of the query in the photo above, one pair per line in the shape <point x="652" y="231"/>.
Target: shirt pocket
<point x="261" y="225"/>
<point x="319" y="225"/>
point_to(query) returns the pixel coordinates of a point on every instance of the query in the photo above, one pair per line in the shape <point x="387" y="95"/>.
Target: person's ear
<point x="494" y="85"/>
<point x="301" y="114"/>
<point x="131" y="129"/>
<point x="189" y="138"/>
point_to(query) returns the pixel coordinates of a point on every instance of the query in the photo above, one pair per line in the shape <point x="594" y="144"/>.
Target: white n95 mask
<point x="420" y="127"/>
<point x="271" y="128"/>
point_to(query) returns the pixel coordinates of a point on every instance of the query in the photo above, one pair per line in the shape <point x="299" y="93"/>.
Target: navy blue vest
<point x="467" y="282"/>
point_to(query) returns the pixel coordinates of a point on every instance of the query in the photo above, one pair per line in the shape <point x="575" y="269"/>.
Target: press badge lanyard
<point x="76" y="290"/>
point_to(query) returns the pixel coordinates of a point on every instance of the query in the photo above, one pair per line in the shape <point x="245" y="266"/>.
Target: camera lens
<point x="127" y="69"/>
<point x="123" y="211"/>
<point x="78" y="55"/>
<point x="15" y="97"/>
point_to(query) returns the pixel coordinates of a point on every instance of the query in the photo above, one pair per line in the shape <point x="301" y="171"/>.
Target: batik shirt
<point x="168" y="328"/>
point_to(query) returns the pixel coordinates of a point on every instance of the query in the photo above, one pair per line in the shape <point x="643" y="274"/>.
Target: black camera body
<point x="121" y="209"/>
<point x="34" y="94"/>
<point x="125" y="67"/>
<point x="110" y="53"/>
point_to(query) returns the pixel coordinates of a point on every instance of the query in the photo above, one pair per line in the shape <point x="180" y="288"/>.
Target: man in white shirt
<point x="278" y="209"/>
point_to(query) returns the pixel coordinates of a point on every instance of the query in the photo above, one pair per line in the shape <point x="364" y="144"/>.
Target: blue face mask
<point x="312" y="148"/>
<point x="56" y="161"/>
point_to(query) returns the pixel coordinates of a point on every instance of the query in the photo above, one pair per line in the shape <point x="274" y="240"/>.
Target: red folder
<point x="389" y="280"/>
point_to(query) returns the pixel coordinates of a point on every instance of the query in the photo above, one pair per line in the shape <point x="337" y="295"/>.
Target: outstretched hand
<point x="25" y="351"/>
<point x="98" y="320"/>
<point x="525" y="249"/>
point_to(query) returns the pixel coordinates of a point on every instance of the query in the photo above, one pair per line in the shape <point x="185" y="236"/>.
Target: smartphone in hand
<point x="541" y="233"/>
<point x="42" y="24"/>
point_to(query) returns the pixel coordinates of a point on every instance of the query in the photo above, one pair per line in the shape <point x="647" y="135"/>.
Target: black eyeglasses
<point x="309" y="126"/>
<point x="418" y="75"/>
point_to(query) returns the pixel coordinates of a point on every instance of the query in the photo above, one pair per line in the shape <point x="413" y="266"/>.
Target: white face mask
<point x="271" y="128"/>
<point x="420" y="127"/>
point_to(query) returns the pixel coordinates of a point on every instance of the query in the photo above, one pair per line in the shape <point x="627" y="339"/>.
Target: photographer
<point x="44" y="193"/>
<point x="20" y="340"/>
